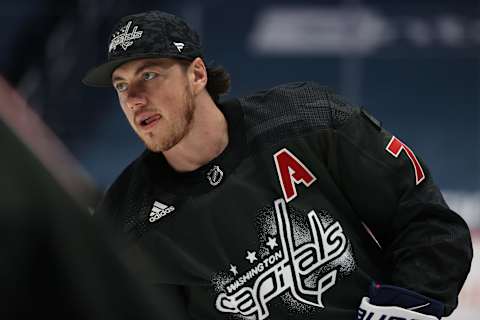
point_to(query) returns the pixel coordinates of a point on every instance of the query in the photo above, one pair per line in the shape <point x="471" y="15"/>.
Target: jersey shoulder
<point x="293" y="109"/>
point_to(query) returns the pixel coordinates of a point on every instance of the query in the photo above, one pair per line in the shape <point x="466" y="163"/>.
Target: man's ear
<point x="198" y="75"/>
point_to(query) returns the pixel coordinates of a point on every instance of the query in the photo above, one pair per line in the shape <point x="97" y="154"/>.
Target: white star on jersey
<point x="272" y="243"/>
<point x="251" y="256"/>
<point x="233" y="269"/>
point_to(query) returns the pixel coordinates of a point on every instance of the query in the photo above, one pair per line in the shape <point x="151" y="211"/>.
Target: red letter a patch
<point x="290" y="170"/>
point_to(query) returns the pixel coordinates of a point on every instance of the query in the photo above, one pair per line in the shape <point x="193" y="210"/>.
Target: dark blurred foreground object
<point x="54" y="261"/>
<point x="44" y="144"/>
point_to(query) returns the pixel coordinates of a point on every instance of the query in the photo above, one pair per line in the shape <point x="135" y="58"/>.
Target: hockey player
<point x="286" y="204"/>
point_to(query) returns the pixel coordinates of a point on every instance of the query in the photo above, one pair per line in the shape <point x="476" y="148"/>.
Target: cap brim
<point x="101" y="76"/>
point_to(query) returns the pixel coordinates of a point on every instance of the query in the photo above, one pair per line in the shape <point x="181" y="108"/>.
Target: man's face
<point x="157" y="100"/>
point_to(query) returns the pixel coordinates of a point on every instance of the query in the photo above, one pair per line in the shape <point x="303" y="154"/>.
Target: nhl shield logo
<point x="215" y="176"/>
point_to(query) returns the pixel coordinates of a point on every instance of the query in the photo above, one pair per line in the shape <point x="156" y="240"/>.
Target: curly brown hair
<point x="218" y="82"/>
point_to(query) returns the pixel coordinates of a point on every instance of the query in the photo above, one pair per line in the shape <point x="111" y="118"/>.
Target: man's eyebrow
<point x="147" y="65"/>
<point x="139" y="69"/>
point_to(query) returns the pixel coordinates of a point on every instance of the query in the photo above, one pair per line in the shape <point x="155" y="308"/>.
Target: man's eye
<point x="149" y="75"/>
<point x="121" y="86"/>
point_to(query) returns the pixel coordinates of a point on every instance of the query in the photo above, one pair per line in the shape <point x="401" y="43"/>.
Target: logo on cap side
<point x="124" y="38"/>
<point x="179" y="46"/>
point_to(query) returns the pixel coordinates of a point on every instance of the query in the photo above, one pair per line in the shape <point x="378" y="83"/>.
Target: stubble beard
<point x="177" y="131"/>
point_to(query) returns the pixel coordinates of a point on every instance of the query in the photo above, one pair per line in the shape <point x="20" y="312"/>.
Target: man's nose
<point x="136" y="97"/>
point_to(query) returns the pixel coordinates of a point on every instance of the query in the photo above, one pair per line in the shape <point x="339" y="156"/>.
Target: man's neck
<point x="206" y="139"/>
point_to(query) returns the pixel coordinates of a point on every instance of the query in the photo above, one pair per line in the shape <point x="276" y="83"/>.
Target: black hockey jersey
<point x="310" y="202"/>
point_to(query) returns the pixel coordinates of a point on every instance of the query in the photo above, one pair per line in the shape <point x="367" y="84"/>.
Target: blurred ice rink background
<point x="415" y="65"/>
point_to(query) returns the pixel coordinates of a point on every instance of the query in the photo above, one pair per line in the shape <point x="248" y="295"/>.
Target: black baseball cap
<point x="151" y="34"/>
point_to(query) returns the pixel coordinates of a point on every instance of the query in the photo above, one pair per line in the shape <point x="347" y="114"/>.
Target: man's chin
<point x="157" y="143"/>
<point x="153" y="147"/>
<point x="157" y="147"/>
<point x="154" y="150"/>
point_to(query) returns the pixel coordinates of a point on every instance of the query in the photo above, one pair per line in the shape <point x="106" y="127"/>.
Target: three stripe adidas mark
<point x="159" y="210"/>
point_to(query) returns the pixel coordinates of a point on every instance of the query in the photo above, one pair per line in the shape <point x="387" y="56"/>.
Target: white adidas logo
<point x="159" y="210"/>
<point x="179" y="46"/>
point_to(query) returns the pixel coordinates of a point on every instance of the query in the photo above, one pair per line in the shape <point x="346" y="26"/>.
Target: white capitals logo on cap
<point x="124" y="38"/>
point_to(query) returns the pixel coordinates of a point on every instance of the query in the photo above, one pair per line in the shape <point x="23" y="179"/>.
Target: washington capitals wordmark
<point x="291" y="268"/>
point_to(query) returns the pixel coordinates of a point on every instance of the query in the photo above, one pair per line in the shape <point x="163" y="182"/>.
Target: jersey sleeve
<point x="426" y="244"/>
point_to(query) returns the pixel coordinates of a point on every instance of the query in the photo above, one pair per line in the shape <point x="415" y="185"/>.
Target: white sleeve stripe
<point x="373" y="312"/>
